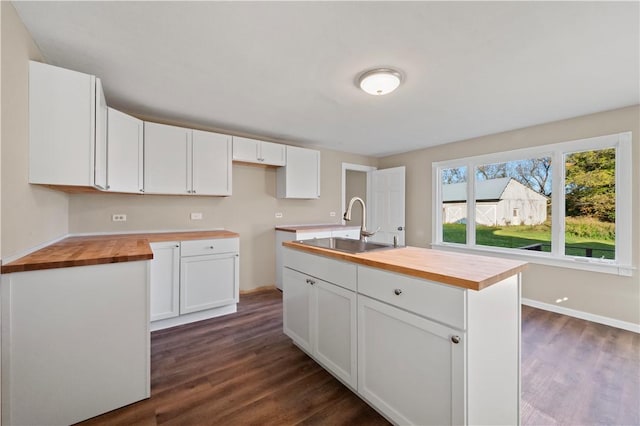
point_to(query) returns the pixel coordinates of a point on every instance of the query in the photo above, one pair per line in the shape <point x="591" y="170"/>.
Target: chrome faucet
<point x="364" y="234"/>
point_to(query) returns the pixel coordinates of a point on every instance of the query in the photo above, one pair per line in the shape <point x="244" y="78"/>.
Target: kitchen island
<point x="424" y="336"/>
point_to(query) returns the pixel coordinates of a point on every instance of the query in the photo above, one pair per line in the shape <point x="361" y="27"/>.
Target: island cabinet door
<point x="297" y="307"/>
<point x="410" y="368"/>
<point x="334" y="330"/>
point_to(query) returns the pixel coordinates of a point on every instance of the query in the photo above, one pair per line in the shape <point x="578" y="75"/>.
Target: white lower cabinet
<point x="165" y="280"/>
<point x="320" y="317"/>
<point x="427" y="353"/>
<point x="208" y="281"/>
<point x="193" y="280"/>
<point x="409" y="368"/>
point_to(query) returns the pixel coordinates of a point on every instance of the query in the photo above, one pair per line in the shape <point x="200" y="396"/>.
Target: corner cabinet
<point x="125" y="153"/>
<point x="247" y="150"/>
<point x="67" y="128"/>
<point x="193" y="280"/>
<point x="300" y="177"/>
<point x="427" y="353"/>
<point x="183" y="161"/>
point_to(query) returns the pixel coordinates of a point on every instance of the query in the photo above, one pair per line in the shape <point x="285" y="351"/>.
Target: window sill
<point x="583" y="264"/>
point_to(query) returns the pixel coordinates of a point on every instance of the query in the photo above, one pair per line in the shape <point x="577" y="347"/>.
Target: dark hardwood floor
<point x="241" y="370"/>
<point x="576" y="372"/>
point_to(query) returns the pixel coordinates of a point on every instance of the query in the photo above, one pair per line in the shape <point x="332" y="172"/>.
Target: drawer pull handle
<point x="455" y="339"/>
<point x="211" y="247"/>
<point x="177" y="245"/>
<point x="397" y="292"/>
<point x="312" y="282"/>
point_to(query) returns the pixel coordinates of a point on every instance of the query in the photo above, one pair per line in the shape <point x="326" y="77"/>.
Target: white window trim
<point x="622" y="265"/>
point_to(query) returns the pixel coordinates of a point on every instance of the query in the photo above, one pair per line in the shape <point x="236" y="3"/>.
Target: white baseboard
<point x="629" y="326"/>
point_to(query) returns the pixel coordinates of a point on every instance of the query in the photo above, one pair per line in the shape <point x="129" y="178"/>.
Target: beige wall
<point x="596" y="293"/>
<point x="355" y="186"/>
<point x="29" y="215"/>
<point x="250" y="211"/>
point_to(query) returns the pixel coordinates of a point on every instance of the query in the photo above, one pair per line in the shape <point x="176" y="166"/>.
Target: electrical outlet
<point x="196" y="216"/>
<point x="279" y="215"/>
<point x="332" y="214"/>
<point x="119" y="218"/>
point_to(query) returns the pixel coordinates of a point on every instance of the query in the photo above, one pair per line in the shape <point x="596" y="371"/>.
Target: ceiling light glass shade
<point x="379" y="81"/>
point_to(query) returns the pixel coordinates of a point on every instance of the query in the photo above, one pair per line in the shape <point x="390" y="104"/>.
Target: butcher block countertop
<point x="461" y="270"/>
<point x="327" y="227"/>
<point x="101" y="249"/>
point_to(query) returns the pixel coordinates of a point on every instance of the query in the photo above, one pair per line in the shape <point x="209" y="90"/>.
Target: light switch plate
<point x="196" y="216"/>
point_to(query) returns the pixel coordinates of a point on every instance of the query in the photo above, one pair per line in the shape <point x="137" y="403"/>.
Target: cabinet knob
<point x="397" y="291"/>
<point x="108" y="186"/>
<point x="141" y="190"/>
<point x="177" y="245"/>
<point x="211" y="247"/>
<point x="193" y="192"/>
<point x="455" y="339"/>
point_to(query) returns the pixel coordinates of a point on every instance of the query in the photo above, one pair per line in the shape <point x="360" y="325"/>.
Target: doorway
<point x="355" y="183"/>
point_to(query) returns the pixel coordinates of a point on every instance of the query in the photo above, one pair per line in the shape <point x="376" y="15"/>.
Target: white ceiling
<point x="287" y="70"/>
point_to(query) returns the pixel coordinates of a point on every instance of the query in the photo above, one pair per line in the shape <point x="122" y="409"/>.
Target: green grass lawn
<point x="524" y="235"/>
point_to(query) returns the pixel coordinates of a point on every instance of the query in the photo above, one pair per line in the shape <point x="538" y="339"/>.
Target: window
<point x="560" y="204"/>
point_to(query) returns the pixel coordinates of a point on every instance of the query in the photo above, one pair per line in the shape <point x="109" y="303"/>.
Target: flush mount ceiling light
<point x="380" y="81"/>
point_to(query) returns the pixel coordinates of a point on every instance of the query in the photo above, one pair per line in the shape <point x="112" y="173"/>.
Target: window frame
<point x="621" y="265"/>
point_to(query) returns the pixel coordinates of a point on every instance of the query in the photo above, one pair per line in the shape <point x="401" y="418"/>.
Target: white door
<point x="335" y="332"/>
<point x="208" y="282"/>
<point x="125" y="153"/>
<point x="167" y="163"/>
<point x="211" y="170"/>
<point x="386" y="204"/>
<point x="165" y="280"/>
<point x="296" y="307"/>
<point x="409" y="368"/>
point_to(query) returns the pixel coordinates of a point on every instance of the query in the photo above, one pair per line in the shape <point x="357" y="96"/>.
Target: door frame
<point x="357" y="168"/>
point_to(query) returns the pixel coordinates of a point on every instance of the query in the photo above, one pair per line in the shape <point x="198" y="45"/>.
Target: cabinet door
<point x="101" y="161"/>
<point x="208" y="282"/>
<point x="335" y="333"/>
<point x="245" y="149"/>
<point x="297" y="308"/>
<point x="167" y="163"/>
<point x="273" y="154"/>
<point x="300" y="178"/>
<point x="125" y="141"/>
<point x="61" y="126"/>
<point x="408" y="367"/>
<point x="165" y="280"/>
<point x="211" y="172"/>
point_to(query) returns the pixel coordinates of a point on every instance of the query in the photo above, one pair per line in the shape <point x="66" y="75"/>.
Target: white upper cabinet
<point x="300" y="177"/>
<point x="125" y="162"/>
<point x="166" y="157"/>
<point x="255" y="151"/>
<point x="66" y="112"/>
<point x="184" y="161"/>
<point x="211" y="172"/>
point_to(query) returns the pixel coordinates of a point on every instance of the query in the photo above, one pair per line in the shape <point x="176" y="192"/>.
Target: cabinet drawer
<point x="353" y="234"/>
<point x="334" y="271"/>
<point x="440" y="302"/>
<point x="212" y="246"/>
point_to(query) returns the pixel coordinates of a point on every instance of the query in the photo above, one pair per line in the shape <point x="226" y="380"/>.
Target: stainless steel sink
<point x="346" y="245"/>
